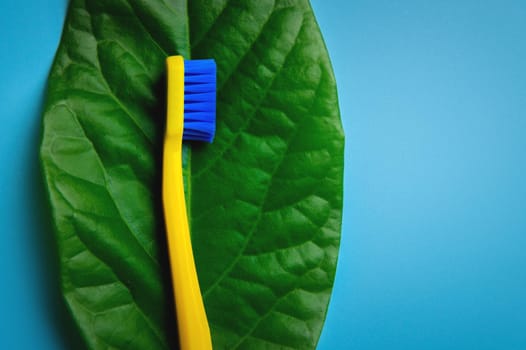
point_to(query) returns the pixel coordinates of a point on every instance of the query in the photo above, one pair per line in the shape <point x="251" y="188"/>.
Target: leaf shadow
<point x="46" y="255"/>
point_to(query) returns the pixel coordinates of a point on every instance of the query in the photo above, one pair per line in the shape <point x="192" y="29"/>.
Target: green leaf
<point x="264" y="199"/>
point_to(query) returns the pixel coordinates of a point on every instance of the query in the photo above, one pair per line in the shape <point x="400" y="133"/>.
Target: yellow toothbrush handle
<point x="194" y="332"/>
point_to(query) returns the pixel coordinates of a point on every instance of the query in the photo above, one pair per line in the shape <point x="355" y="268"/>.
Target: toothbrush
<point x="191" y="101"/>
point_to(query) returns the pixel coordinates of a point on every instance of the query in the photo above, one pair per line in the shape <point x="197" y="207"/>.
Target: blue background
<point x="433" y="99"/>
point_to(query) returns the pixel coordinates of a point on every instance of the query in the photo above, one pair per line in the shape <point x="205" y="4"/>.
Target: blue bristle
<point x="199" y="100"/>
